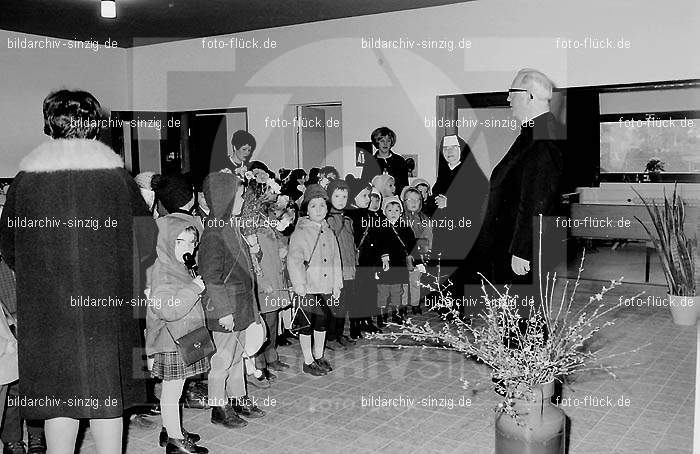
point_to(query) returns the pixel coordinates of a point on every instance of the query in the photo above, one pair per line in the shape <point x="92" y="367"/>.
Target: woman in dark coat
<point x="456" y="207"/>
<point x="68" y="230"/>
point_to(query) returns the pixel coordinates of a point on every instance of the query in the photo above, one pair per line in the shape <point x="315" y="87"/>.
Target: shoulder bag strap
<point x="320" y="231"/>
<point x="400" y="240"/>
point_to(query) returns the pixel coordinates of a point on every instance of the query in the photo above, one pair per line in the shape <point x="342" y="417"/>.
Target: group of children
<point x="339" y="251"/>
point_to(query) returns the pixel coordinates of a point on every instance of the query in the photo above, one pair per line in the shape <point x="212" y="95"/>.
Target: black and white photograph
<point x="408" y="226"/>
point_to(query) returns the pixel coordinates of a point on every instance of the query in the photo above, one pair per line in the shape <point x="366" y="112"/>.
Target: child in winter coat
<point x="365" y="289"/>
<point x="343" y="229"/>
<point x="395" y="248"/>
<point x="174" y="310"/>
<point x="423" y="231"/>
<point x="315" y="270"/>
<point x="272" y="295"/>
<point x="368" y="259"/>
<point x="231" y="305"/>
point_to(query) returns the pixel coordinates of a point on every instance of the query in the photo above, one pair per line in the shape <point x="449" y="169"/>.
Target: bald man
<point x="524" y="184"/>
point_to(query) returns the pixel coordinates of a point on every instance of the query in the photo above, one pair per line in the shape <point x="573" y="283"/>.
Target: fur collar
<point x="70" y="154"/>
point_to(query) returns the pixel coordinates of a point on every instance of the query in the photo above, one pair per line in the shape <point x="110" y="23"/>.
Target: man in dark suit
<point x="524" y="184"/>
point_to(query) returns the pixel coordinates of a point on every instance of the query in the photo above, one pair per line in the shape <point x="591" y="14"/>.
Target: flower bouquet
<point x="260" y="192"/>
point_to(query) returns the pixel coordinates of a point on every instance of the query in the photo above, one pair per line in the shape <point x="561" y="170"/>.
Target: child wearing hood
<point x="419" y="222"/>
<point x="315" y="270"/>
<point x="341" y="225"/>
<point x="423" y="188"/>
<point x="365" y="306"/>
<point x="368" y="258"/>
<point x="231" y="305"/>
<point x="174" y="310"/>
<point x="385" y="184"/>
<point x="396" y="250"/>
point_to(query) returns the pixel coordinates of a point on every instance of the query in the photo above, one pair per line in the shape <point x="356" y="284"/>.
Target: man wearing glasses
<point x="524" y="184"/>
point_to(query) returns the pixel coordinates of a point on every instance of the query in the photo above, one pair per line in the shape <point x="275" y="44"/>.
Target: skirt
<point x="169" y="366"/>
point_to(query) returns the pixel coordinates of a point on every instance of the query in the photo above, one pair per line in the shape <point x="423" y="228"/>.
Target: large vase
<point x="539" y="429"/>
<point x="683" y="309"/>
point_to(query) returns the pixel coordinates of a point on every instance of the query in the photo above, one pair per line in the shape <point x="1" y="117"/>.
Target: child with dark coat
<point x="342" y="227"/>
<point x="396" y="250"/>
<point x="368" y="258"/>
<point x="230" y="305"/>
<point x="365" y="293"/>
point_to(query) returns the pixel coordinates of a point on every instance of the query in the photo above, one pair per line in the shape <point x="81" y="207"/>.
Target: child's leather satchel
<point x="194" y="345"/>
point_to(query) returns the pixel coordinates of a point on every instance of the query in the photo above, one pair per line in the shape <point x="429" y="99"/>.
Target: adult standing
<point x="68" y="230"/>
<point x="524" y="184"/>
<point x="385" y="160"/>
<point x="242" y="147"/>
<point x="456" y="207"/>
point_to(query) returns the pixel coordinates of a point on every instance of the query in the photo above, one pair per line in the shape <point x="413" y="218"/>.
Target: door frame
<point x="298" y="145"/>
<point x="188" y="117"/>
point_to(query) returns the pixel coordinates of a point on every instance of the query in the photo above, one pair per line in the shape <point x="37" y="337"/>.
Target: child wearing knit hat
<point x="315" y="269"/>
<point x="341" y="225"/>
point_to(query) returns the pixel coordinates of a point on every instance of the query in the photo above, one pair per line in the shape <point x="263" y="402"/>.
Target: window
<point x="669" y="140"/>
<point x="650" y="133"/>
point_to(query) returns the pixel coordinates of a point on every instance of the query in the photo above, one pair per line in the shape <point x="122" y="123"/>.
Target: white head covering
<point x="449" y="141"/>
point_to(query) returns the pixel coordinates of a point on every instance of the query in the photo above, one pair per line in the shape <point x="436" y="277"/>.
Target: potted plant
<point x="526" y="354"/>
<point x="675" y="251"/>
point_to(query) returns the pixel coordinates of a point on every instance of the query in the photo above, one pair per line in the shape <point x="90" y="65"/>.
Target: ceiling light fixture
<point x="108" y="8"/>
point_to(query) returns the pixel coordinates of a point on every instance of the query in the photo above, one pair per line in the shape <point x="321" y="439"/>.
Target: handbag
<point x="195" y="345"/>
<point x="300" y="320"/>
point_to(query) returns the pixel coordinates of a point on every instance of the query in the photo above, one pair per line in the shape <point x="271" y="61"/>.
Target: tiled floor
<point x="335" y="413"/>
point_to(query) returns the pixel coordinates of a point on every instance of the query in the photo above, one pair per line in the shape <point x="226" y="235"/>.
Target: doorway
<point x="209" y="139"/>
<point x="319" y="135"/>
<point x="147" y="140"/>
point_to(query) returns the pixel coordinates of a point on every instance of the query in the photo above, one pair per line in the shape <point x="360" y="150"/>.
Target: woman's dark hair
<point x="313" y="176"/>
<point x="72" y="115"/>
<point x="329" y="169"/>
<point x="381" y="132"/>
<point x="241" y="138"/>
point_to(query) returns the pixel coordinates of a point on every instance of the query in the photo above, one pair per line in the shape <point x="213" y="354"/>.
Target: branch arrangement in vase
<point x="550" y="343"/>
